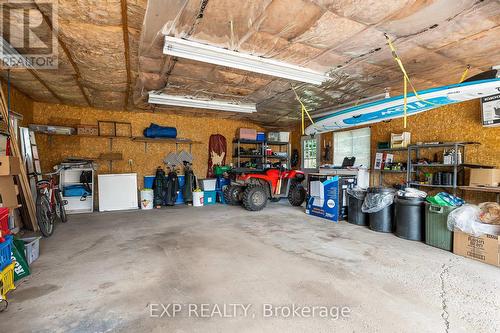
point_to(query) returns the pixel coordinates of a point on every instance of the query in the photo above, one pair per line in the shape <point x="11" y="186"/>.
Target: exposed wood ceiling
<point x="110" y="52"/>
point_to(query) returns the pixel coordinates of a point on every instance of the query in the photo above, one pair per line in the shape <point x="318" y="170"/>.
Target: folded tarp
<point x="157" y="131"/>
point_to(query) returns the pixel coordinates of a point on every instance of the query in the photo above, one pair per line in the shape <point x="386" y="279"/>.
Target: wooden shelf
<point x="431" y="185"/>
<point x="165" y="140"/>
<point x="136" y="139"/>
<point x="441" y="165"/>
<point x="85" y="136"/>
<point x="480" y="189"/>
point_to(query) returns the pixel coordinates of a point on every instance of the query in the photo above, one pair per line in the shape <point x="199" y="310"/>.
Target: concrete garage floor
<point x="105" y="272"/>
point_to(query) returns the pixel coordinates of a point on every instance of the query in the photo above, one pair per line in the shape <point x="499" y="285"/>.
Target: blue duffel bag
<point x="76" y="191"/>
<point x="157" y="131"/>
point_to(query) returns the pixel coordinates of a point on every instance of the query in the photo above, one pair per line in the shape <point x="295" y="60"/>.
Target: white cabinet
<point x="78" y="204"/>
<point x="117" y="192"/>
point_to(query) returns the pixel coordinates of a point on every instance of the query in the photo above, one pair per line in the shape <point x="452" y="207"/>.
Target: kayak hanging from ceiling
<point x="391" y="108"/>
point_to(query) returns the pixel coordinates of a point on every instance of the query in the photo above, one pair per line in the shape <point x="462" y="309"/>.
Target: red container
<point x="4" y="223"/>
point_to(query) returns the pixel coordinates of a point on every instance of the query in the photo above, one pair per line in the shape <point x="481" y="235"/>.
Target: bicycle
<point x="49" y="203"/>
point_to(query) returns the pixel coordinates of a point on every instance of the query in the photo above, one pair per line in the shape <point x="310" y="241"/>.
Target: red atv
<point x="254" y="189"/>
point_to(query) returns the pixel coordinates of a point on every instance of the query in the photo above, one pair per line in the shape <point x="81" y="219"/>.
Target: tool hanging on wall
<point x="303" y="111"/>
<point x="328" y="149"/>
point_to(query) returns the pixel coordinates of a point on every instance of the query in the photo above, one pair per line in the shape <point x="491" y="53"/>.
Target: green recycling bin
<point x="436" y="226"/>
<point x="21" y="269"/>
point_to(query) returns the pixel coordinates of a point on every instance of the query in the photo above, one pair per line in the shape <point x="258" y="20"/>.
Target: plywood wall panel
<point x="56" y="148"/>
<point x="458" y="122"/>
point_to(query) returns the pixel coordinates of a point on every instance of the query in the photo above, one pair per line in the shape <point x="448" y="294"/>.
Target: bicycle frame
<point x="48" y="187"/>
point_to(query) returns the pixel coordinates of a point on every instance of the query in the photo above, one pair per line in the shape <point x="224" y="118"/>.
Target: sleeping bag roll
<point x="157" y="131"/>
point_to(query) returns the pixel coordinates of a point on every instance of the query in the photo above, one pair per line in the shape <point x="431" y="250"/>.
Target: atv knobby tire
<point x="297" y="194"/>
<point x="232" y="194"/>
<point x="254" y="197"/>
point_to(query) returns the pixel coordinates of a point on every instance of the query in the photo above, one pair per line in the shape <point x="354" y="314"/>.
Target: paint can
<point x="147" y="197"/>
<point x="198" y="199"/>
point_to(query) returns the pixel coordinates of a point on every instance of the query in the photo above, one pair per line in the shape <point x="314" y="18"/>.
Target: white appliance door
<point x="117" y="192"/>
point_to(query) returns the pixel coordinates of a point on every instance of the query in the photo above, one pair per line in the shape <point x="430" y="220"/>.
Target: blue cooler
<point x="209" y="198"/>
<point x="149" y="181"/>
<point x="180" y="198"/>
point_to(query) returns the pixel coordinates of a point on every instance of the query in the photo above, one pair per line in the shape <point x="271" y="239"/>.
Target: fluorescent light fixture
<point x="183" y="48"/>
<point x="192" y="102"/>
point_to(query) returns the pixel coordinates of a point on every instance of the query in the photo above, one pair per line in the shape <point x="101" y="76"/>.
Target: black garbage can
<point x="381" y="221"/>
<point x="355" y="201"/>
<point x="409" y="216"/>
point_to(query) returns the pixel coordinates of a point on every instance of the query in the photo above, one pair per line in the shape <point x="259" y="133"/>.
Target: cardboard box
<point x="9" y="165"/>
<point x="324" y="200"/>
<point x="247" y="134"/>
<point x="484" y="177"/>
<point x="485" y="248"/>
<point x="8" y="192"/>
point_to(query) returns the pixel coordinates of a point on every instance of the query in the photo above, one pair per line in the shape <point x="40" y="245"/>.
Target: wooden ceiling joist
<point x="126" y="45"/>
<point x="78" y="76"/>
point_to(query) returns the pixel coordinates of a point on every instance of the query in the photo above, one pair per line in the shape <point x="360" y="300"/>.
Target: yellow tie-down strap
<point x="303" y="111"/>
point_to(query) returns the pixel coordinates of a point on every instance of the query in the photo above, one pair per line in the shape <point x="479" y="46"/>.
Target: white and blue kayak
<point x="391" y="108"/>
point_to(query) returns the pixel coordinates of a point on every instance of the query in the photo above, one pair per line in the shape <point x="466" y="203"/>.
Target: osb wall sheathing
<point x="458" y="122"/>
<point x="19" y="103"/>
<point x="55" y="148"/>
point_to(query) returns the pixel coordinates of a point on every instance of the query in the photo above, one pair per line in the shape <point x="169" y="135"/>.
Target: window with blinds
<point x="352" y="143"/>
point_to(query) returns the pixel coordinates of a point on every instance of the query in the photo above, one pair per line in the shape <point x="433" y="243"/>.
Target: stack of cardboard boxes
<point x="9" y="167"/>
<point x="485" y="248"/>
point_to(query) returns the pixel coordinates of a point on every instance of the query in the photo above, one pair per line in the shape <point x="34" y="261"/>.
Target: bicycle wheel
<point x="44" y="215"/>
<point x="3" y="304"/>
<point x="61" y="211"/>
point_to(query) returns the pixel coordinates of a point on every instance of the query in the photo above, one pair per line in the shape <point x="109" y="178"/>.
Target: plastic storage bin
<point x="208" y="184"/>
<point x="7" y="279"/>
<point x="209" y="198"/>
<point x="180" y="197"/>
<point x="149" y="181"/>
<point x="261" y="136"/>
<point x="5" y="252"/>
<point x="4" y="223"/>
<point x="31" y="248"/>
<point x="409" y="218"/>
<point x="436" y="229"/>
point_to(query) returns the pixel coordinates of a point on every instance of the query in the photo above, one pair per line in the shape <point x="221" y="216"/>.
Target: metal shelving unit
<point x="415" y="168"/>
<point x="261" y="146"/>
<point x="382" y="171"/>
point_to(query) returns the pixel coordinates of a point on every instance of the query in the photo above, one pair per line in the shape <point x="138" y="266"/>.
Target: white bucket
<point x="198" y="199"/>
<point x="147" y="197"/>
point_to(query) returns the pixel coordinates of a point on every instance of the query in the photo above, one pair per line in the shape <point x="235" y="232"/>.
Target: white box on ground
<point x="207" y="184"/>
<point x="117" y="192"/>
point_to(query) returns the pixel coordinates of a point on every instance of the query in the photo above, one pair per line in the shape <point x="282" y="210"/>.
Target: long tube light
<point x="183" y="48"/>
<point x="192" y="102"/>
